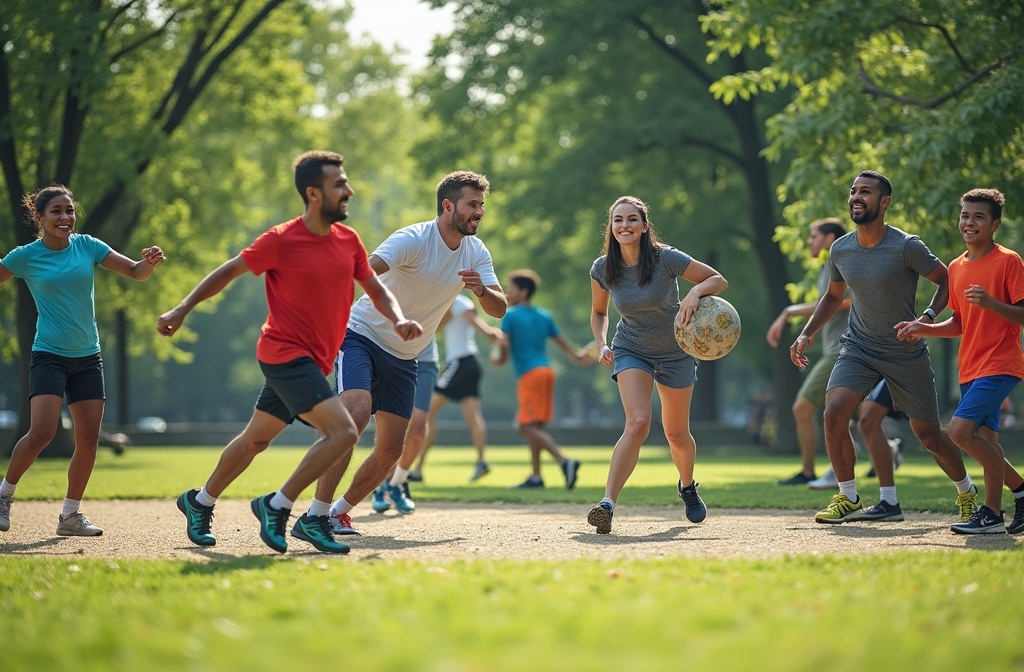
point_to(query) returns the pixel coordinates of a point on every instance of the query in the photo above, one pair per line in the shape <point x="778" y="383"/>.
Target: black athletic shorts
<point x="78" y="378"/>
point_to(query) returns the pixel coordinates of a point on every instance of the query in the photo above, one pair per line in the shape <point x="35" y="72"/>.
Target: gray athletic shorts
<point x="910" y="379"/>
<point x="426" y="378"/>
<point x="816" y="382"/>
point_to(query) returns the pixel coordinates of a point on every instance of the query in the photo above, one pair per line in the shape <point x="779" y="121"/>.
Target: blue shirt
<point x="62" y="285"/>
<point x="528" y="328"/>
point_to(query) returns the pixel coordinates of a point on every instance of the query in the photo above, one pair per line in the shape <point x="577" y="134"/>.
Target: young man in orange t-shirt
<point x="986" y="294"/>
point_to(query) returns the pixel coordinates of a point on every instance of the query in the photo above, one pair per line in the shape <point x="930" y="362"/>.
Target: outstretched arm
<point x="136" y="270"/>
<point x="578" y="357"/>
<point x="208" y="287"/>
<point x="494" y="334"/>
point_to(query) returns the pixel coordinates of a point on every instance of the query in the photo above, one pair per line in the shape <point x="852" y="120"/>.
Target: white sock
<point x="205" y="498"/>
<point x="318" y="508"/>
<point x="888" y="494"/>
<point x="609" y="502"/>
<point x="849" y="488"/>
<point x="400" y="476"/>
<point x="280" y="502"/>
<point x="7" y="488"/>
<point x="341" y="505"/>
<point x="964" y="485"/>
<point x="71" y="507"/>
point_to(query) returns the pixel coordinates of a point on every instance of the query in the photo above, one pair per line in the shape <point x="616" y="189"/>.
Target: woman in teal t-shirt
<point x="58" y="269"/>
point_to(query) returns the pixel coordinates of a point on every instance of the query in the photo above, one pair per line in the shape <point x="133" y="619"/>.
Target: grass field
<point x="922" y="610"/>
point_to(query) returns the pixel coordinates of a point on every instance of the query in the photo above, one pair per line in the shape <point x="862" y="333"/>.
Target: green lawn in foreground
<point x="934" y="610"/>
<point x="729" y="478"/>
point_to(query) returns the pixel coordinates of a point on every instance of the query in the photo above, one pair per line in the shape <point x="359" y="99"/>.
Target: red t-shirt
<point x="310" y="286"/>
<point x="990" y="345"/>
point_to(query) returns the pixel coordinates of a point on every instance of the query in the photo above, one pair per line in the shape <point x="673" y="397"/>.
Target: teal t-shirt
<point x="62" y="284"/>
<point x="528" y="328"/>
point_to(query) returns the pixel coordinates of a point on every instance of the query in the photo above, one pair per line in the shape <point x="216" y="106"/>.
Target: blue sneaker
<point x="696" y="512"/>
<point x="400" y="497"/>
<point x="601" y="517"/>
<point x="317" y="531"/>
<point x="198" y="518"/>
<point x="379" y="504"/>
<point x="272" y="522"/>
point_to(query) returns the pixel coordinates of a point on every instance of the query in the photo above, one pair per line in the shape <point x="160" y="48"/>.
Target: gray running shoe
<point x="481" y="470"/>
<point x="76" y="525"/>
<point x="533" y="481"/>
<point x="5" y="512"/>
<point x="601" y="517"/>
<point x="883" y="511"/>
<point x="341" y="524"/>
<point x="826" y="482"/>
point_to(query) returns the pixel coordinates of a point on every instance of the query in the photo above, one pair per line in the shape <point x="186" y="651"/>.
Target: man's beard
<point x="461" y="224"/>
<point x="333" y="214"/>
<point x="866" y="216"/>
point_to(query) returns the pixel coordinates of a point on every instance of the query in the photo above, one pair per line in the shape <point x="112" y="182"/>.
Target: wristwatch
<point x="929" y="312"/>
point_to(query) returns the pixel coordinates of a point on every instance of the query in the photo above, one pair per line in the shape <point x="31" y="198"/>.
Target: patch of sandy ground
<point x="447" y="531"/>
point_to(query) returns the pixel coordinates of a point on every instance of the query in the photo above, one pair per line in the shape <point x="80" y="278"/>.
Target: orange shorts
<point x="536" y="395"/>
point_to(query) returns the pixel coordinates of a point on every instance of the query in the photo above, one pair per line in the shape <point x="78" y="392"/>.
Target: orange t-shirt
<point x="310" y="285"/>
<point x="990" y="345"/>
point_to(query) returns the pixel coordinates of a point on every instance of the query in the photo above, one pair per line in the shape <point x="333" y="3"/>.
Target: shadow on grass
<point x="221" y="563"/>
<point x="982" y="542"/>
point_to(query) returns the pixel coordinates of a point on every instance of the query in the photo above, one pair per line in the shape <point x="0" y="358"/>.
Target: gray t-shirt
<point x="882" y="282"/>
<point x="837" y="326"/>
<point x="647" y="312"/>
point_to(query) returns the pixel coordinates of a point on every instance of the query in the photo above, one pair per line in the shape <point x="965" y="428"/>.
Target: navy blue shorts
<point x="292" y="388"/>
<point x="981" y="398"/>
<point x="80" y="378"/>
<point x="364" y="365"/>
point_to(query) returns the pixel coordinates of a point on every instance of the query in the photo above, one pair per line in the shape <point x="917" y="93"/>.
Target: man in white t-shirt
<point x="425" y="266"/>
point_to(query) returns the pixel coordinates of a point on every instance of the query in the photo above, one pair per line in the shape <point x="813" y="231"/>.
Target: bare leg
<point x="240" y="452"/>
<point x="87" y="417"/>
<point x="1011" y="477"/>
<point x="415" y="439"/>
<point x="391" y="430"/>
<point x="540" y="439"/>
<point x="477" y="427"/>
<point x="437" y="402"/>
<point x="45" y="417"/>
<point x="805" y="414"/>
<point x="358" y="404"/>
<point x="840" y="403"/>
<point x="937" y="442"/>
<point x="635" y="388"/>
<point x="675" y="416"/>
<point x="989" y="456"/>
<point x="870" y="425"/>
<point x="338" y="437"/>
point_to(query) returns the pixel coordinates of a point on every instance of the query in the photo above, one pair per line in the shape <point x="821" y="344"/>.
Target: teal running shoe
<point x="198" y="519"/>
<point x="317" y="531"/>
<point x="272" y="522"/>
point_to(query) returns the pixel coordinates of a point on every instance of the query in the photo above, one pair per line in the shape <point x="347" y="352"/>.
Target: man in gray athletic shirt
<point x="880" y="265"/>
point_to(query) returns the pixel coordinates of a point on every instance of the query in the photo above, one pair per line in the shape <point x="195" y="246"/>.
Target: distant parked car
<point x="152" y="424"/>
<point x="8" y="419"/>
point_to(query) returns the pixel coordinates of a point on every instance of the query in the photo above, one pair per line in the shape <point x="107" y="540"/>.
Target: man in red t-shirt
<point x="986" y="294"/>
<point x="310" y="263"/>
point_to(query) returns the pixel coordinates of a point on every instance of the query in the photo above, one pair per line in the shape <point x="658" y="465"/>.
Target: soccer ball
<point x="712" y="332"/>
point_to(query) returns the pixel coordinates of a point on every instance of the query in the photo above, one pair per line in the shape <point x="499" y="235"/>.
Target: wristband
<point x="930" y="313"/>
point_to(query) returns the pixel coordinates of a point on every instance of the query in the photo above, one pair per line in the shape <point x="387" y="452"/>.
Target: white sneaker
<point x="76" y="525"/>
<point x="826" y="482"/>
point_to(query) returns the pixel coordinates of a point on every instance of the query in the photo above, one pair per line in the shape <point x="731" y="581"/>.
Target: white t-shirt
<point x="423" y="274"/>
<point x="459" y="333"/>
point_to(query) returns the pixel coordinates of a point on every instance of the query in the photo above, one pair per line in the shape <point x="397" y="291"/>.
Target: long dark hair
<point x="650" y="246"/>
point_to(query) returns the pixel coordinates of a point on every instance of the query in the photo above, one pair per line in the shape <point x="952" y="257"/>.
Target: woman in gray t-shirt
<point x="639" y="275"/>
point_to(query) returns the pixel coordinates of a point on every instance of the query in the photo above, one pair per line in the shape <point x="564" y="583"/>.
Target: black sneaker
<point x="696" y="512"/>
<point x="601" y="517"/>
<point x="199" y="518"/>
<point x="533" y="481"/>
<point x="1017" y="526"/>
<point x="799" y="479"/>
<point x="883" y="511"/>
<point x="571" y="470"/>
<point x="984" y="521"/>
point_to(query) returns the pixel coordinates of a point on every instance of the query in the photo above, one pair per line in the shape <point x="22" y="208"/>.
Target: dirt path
<point x="445" y="531"/>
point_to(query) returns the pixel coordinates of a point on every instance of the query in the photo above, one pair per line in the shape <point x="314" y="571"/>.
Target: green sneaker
<point x="839" y="510"/>
<point x="198" y="519"/>
<point x="967" y="502"/>
<point x="317" y="531"/>
<point x="272" y="522"/>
